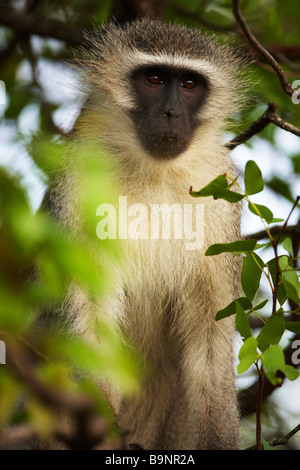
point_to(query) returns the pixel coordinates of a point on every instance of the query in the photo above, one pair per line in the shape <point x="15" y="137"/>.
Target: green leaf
<point x="251" y="274"/>
<point x="290" y="372"/>
<point x="219" y="182"/>
<point x="122" y="370"/>
<point x="266" y="445"/>
<point x="248" y="355"/>
<point x="218" y="188"/>
<point x="273" y="360"/>
<point x="242" y="322"/>
<point x="283" y="262"/>
<point x="261" y="211"/>
<point x="253" y="178"/>
<point x="222" y="11"/>
<point x="272" y="331"/>
<point x="261" y="305"/>
<point x="292" y="292"/>
<point x="296" y="163"/>
<point x="288" y="280"/>
<point x="22" y="96"/>
<point x="291" y="282"/>
<point x="287" y="245"/>
<point x="263" y="245"/>
<point x="293" y="326"/>
<point x="240" y="246"/>
<point x="231" y="308"/>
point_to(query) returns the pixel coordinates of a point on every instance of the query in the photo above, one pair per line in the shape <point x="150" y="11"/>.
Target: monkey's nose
<point x="171" y="113"/>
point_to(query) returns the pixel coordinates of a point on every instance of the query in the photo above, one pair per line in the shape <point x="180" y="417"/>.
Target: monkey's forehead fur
<point x="113" y="51"/>
<point x="152" y="36"/>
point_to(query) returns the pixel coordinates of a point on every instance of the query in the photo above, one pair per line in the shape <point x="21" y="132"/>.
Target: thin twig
<point x="277" y="274"/>
<point x="281" y="441"/>
<point x="290" y="230"/>
<point x="35" y="24"/>
<point x="268" y="68"/>
<point x="283" y="228"/>
<point x="286" y="61"/>
<point x="286" y="86"/>
<point x="284" y="440"/>
<point x="45" y="105"/>
<point x="269" y="116"/>
<point x="259" y="407"/>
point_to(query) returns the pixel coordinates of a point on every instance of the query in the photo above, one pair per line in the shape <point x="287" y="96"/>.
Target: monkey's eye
<point x="188" y="83"/>
<point x="154" y="79"/>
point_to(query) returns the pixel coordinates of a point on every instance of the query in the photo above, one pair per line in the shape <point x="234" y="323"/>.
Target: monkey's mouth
<point x="165" y="146"/>
<point x="171" y="138"/>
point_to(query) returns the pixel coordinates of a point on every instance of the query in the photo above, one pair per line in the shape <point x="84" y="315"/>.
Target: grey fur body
<point x="166" y="297"/>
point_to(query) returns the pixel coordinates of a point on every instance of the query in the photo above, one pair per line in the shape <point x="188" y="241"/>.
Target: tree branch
<point x="284" y="440"/>
<point x="34" y="24"/>
<point x="281" y="441"/>
<point x="17" y="436"/>
<point x="269" y="116"/>
<point x="293" y="230"/>
<point x="287" y="88"/>
<point x="90" y="428"/>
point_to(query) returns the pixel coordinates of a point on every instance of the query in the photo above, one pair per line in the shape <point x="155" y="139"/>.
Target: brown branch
<point x="30" y="6"/>
<point x="29" y="23"/>
<point x="281" y="441"/>
<point x="293" y="73"/>
<point x="284" y="227"/>
<point x="284" y="440"/>
<point x="269" y="116"/>
<point x="287" y="88"/>
<point x="259" y="408"/>
<point x="22" y="368"/>
<point x="89" y="430"/>
<point x="293" y="230"/>
<point x="45" y="105"/>
<point x="290" y="52"/>
<point x="17" y="436"/>
<point x="285" y="60"/>
<point x="278" y="121"/>
<point x="33" y="24"/>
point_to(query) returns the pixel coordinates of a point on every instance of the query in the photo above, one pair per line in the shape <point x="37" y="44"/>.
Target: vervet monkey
<point x="158" y="97"/>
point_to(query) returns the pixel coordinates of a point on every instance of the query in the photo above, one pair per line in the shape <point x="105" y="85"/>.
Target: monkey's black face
<point x="168" y="100"/>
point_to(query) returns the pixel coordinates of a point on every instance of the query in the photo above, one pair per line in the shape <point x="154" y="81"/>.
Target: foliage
<point x="262" y="350"/>
<point x="38" y="259"/>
